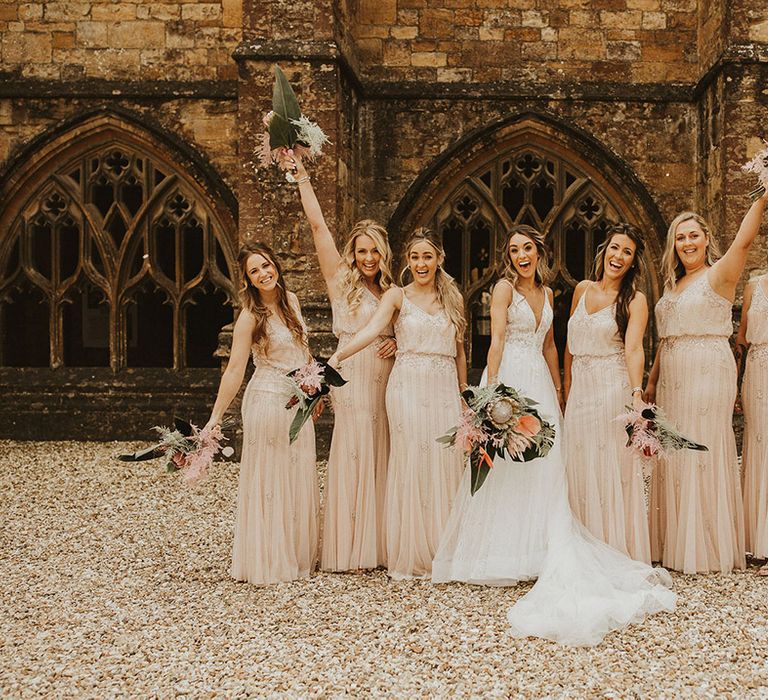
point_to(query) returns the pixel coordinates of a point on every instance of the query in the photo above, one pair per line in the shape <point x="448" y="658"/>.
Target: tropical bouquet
<point x="498" y="420"/>
<point x="650" y="434"/>
<point x="759" y="166"/>
<point x="186" y="448"/>
<point x="309" y="384"/>
<point x="287" y="130"/>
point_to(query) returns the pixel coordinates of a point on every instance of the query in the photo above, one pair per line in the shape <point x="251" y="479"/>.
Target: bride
<point x="519" y="525"/>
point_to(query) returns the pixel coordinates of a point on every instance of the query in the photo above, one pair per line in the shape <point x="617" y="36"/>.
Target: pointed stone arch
<point x="530" y="168"/>
<point x="104" y="213"/>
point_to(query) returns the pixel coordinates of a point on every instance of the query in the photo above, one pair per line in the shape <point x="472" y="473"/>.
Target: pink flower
<point x="310" y="378"/>
<point x="528" y="425"/>
<point x="467" y="433"/>
<point x="517" y="444"/>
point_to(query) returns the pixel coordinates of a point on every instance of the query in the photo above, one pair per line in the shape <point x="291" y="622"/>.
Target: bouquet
<point x="186" y="448"/>
<point x="309" y="384"/>
<point x="759" y="166"/>
<point x="287" y="129"/>
<point x="650" y="434"/>
<point x="500" y="421"/>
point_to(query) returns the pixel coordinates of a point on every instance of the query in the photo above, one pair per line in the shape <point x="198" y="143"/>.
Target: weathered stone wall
<point x="142" y="40"/>
<point x="476" y="41"/>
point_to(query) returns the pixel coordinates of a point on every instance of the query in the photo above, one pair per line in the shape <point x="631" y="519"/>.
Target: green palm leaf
<point x="284" y="102"/>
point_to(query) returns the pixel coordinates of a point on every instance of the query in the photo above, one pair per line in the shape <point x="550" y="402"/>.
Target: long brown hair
<point x="251" y="299"/>
<point x="350" y="278"/>
<point x="633" y="276"/>
<point x="672" y="269"/>
<point x="446" y="289"/>
<point x="507" y="271"/>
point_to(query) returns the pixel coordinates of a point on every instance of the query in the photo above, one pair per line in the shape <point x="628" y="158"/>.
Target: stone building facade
<point x="127" y="168"/>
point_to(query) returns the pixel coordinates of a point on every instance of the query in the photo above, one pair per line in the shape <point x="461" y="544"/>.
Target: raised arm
<point x="550" y="355"/>
<point x="389" y="304"/>
<point x="242" y="340"/>
<point x="327" y="253"/>
<point x="501" y="298"/>
<point x="633" y="346"/>
<point x="581" y="287"/>
<point x="726" y="272"/>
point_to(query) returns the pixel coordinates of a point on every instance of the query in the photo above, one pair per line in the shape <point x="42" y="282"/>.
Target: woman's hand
<point x="386" y="348"/>
<point x="649" y="395"/>
<point x="317" y="411"/>
<point x="637" y="401"/>
<point x="334" y="361"/>
<point x="295" y="164"/>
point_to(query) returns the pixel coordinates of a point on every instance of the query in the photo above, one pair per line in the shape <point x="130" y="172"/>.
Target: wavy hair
<point x="251" y="299"/>
<point x="506" y="269"/>
<point x="447" y="291"/>
<point x="350" y="278"/>
<point x="671" y="267"/>
<point x="633" y="276"/>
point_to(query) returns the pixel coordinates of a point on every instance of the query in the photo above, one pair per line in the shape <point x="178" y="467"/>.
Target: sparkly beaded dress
<point x="519" y="526"/>
<point x="276" y="526"/>
<point x="353" y="519"/>
<point x="605" y="481"/>
<point x="423" y="403"/>
<point x="697" y="518"/>
<point x="755" y="402"/>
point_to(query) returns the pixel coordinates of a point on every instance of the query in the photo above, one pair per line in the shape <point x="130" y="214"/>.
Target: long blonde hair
<point x="671" y="267"/>
<point x="507" y="271"/>
<point x="350" y="278"/>
<point x="251" y="299"/>
<point x="446" y="290"/>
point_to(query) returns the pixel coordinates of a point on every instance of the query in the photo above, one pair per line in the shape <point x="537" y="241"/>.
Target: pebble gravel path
<point x="114" y="582"/>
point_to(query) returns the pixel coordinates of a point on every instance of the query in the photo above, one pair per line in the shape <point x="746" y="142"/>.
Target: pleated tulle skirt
<point x="755" y="456"/>
<point x="355" y="487"/>
<point x="277" y="521"/>
<point x="697" y="517"/>
<point x="422" y="404"/>
<point x="605" y="480"/>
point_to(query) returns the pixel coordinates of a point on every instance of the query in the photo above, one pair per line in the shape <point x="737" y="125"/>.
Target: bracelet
<point x="302" y="180"/>
<point x="636" y="389"/>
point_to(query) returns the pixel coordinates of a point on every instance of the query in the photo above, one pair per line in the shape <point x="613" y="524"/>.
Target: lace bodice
<point x="696" y="311"/>
<point x="346" y="323"/>
<point x="595" y="334"/>
<point x="521" y="322"/>
<point x="422" y="333"/>
<point x="283" y="353"/>
<point x="757" y="323"/>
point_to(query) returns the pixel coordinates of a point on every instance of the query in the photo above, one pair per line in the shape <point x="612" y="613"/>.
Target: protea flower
<point x="501" y="412"/>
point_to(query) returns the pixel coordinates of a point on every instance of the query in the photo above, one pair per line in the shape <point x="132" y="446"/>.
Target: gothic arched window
<point x="114" y="259"/>
<point x="523" y="180"/>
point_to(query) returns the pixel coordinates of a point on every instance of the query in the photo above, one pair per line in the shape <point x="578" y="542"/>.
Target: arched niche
<point x="529" y="169"/>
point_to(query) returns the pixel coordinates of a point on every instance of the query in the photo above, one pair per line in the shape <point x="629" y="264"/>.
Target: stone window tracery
<point x="115" y="260"/>
<point x="527" y="184"/>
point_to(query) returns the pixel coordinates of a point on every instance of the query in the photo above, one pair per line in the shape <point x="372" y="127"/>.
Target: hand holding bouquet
<point x="186" y="448"/>
<point x="309" y="384"/>
<point x="759" y="166"/>
<point x="650" y="434"/>
<point x="287" y="130"/>
<point x="498" y="420"/>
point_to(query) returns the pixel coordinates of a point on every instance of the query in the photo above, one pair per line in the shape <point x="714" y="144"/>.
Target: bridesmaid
<point x="353" y="528"/>
<point x="603" y="359"/>
<point x="753" y="333"/>
<point x="423" y="402"/>
<point x="276" y="527"/>
<point x="697" y="516"/>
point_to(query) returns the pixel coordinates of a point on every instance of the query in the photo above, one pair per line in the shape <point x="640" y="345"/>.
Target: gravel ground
<point x="115" y="583"/>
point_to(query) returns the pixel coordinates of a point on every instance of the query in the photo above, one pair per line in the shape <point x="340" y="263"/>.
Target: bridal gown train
<point x="519" y="526"/>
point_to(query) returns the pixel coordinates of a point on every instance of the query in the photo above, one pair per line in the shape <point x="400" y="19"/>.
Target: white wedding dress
<point x="519" y="525"/>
